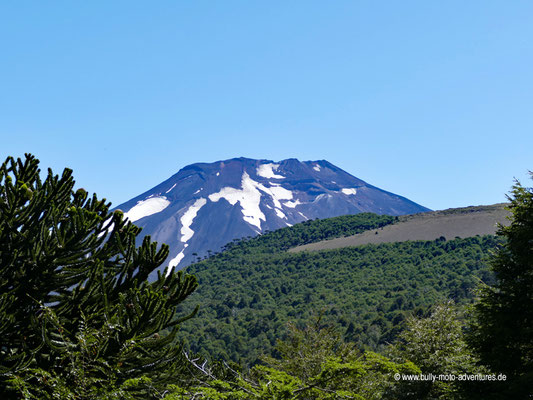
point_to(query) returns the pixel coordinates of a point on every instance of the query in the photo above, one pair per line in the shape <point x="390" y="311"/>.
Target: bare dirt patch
<point x="451" y="223"/>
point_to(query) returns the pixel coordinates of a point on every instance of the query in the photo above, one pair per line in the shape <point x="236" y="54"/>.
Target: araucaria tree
<point x="503" y="331"/>
<point x="78" y="317"/>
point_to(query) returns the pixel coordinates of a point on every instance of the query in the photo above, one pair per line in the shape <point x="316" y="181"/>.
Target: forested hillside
<point x="249" y="293"/>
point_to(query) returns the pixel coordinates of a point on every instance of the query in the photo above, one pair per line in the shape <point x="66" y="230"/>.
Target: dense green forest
<point x="249" y="293"/>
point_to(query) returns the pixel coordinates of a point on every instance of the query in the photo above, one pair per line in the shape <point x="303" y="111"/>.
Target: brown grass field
<point x="450" y="223"/>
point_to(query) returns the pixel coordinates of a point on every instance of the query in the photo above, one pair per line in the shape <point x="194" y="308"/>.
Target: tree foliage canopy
<point x="436" y="345"/>
<point x="75" y="303"/>
<point x="314" y="363"/>
<point x="503" y="330"/>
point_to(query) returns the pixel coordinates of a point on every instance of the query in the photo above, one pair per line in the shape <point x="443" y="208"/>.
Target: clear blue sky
<point x="430" y="100"/>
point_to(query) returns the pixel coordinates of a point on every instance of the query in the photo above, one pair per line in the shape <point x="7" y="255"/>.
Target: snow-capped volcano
<point x="204" y="206"/>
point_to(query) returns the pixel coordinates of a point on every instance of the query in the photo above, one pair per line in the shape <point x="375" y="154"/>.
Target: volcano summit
<point x="206" y="205"/>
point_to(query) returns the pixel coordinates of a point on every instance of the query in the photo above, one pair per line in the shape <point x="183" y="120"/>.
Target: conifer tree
<point x="76" y="309"/>
<point x="503" y="330"/>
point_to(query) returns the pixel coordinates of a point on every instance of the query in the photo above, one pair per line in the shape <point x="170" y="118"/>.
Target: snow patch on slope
<point x="317" y="167"/>
<point x="349" y="191"/>
<point x="322" y="196"/>
<point x="173" y="186"/>
<point x="267" y="171"/>
<point x="248" y="197"/>
<point x="176" y="260"/>
<point x="291" y="204"/>
<point x="279" y="213"/>
<point x="302" y="215"/>
<point x="188" y="217"/>
<point x="277" y="193"/>
<point x="147" y="207"/>
<point x="110" y="226"/>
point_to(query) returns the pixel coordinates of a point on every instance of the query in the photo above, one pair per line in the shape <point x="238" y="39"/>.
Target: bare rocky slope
<point x="455" y="222"/>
